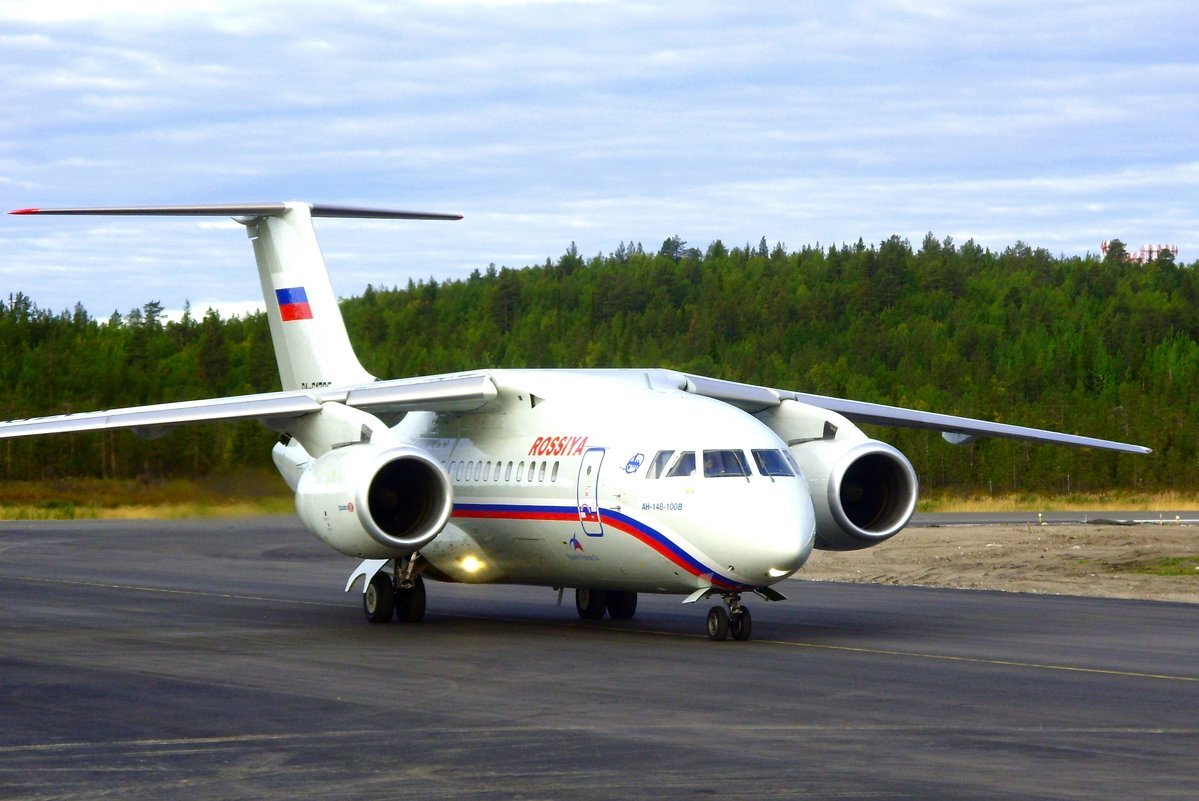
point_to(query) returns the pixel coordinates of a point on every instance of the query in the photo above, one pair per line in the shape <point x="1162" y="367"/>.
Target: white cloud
<point x="547" y="122"/>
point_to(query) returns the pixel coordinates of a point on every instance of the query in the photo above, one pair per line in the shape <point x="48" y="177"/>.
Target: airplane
<point x="612" y="482"/>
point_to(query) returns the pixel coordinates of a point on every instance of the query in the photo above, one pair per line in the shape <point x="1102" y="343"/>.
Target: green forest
<point x="1097" y="346"/>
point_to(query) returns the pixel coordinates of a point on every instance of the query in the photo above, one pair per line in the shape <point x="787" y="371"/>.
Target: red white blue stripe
<point x="649" y="536"/>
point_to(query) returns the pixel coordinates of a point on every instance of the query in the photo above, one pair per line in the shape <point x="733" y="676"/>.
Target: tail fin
<point x="309" y="335"/>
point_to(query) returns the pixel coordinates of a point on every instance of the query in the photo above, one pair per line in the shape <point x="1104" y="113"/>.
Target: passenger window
<point x="478" y="471"/>
<point x="496" y="477"/>
<point x="685" y="466"/>
<point x="661" y="459"/>
<point x="772" y="463"/>
<point x="554" y="475"/>
<point x="722" y="464"/>
<point x="520" y="471"/>
<point x="541" y="472"/>
<point x="508" y="472"/>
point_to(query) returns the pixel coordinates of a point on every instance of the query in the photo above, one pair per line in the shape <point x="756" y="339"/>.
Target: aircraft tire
<point x="591" y="604"/>
<point x="410" y="604"/>
<point x="622" y="605"/>
<point x="741" y="624"/>
<point x="718" y="624"/>
<point x="379" y="600"/>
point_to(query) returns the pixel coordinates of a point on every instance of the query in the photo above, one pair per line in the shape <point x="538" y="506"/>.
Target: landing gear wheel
<point x="591" y="604"/>
<point x="622" y="605"/>
<point x="718" y="624"/>
<point x="379" y="600"/>
<point x="410" y="603"/>
<point x="740" y="624"/>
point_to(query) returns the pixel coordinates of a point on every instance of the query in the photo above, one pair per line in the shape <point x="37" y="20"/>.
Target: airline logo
<point x="293" y="304"/>
<point x="558" y="446"/>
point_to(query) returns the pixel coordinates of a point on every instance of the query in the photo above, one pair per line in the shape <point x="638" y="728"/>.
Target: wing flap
<point x="449" y="394"/>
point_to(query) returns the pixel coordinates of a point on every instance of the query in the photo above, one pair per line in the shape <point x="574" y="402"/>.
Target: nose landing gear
<point x="736" y="621"/>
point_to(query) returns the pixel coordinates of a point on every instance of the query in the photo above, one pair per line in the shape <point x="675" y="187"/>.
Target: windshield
<point x="661" y="459"/>
<point x="721" y="464"/>
<point x="685" y="466"/>
<point x="772" y="463"/>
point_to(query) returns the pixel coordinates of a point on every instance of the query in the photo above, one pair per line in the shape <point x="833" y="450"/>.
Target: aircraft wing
<point x="453" y="393"/>
<point x="957" y="430"/>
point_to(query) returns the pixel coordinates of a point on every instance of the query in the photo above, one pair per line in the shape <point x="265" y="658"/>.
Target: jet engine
<point x="863" y="491"/>
<point x="375" y="503"/>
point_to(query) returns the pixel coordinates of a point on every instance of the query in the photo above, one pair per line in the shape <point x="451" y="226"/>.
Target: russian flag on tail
<point x="293" y="304"/>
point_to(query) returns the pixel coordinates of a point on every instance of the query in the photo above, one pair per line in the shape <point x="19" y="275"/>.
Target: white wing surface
<point x="957" y="430"/>
<point x="441" y="394"/>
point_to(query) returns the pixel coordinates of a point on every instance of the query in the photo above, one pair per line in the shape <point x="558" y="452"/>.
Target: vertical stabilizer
<point x="311" y="343"/>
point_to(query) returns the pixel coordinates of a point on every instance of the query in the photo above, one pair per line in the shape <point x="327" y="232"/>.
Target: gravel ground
<point x="1096" y="560"/>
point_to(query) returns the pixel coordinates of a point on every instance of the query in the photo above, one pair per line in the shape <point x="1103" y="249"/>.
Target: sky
<point x="545" y="122"/>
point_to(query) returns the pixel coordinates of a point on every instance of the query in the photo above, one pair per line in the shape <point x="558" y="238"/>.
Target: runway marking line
<point x="169" y="591"/>
<point x="197" y="744"/>
<point x="978" y="660"/>
<point x="816" y="646"/>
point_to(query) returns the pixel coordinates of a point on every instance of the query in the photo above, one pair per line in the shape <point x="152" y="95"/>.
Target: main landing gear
<point x="593" y="604"/>
<point x="400" y="594"/>
<point x="736" y="620"/>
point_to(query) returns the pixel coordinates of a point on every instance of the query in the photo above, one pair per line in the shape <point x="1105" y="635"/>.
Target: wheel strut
<point x="410" y="589"/>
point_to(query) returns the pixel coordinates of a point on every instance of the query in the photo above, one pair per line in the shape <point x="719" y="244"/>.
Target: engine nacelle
<point x="863" y="491"/>
<point x="375" y="503"/>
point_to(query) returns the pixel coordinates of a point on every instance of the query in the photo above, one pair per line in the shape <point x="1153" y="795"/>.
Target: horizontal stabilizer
<point x="244" y="210"/>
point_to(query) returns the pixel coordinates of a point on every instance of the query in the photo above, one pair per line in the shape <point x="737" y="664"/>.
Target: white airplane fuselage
<point x="551" y="487"/>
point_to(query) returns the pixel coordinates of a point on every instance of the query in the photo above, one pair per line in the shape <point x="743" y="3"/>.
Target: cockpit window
<point x="772" y="463"/>
<point x="684" y="466"/>
<point x="661" y="459"/>
<point x="719" y="464"/>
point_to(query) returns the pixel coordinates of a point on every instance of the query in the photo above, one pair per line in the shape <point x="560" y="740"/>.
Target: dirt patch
<point x="1106" y="561"/>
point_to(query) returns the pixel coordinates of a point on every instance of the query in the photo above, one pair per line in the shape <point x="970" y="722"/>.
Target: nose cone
<point x="771" y="534"/>
<point x="792" y="542"/>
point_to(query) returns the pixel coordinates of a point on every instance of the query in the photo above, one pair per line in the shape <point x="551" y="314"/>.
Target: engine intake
<point x="375" y="503"/>
<point x="863" y="492"/>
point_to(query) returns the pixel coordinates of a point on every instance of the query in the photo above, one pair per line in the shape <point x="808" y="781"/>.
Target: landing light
<point x="774" y="572"/>
<point x="471" y="564"/>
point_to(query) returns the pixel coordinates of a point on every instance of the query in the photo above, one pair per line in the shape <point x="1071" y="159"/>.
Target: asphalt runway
<point x="220" y="659"/>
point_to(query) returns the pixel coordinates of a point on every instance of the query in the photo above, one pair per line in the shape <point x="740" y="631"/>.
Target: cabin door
<point x="588" y="494"/>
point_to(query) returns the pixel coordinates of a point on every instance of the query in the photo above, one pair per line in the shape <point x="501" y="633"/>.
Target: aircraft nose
<point x="793" y="544"/>
<point x="786" y="527"/>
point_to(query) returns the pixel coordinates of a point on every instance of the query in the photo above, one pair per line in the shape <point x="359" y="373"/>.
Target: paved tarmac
<point x="219" y="659"/>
